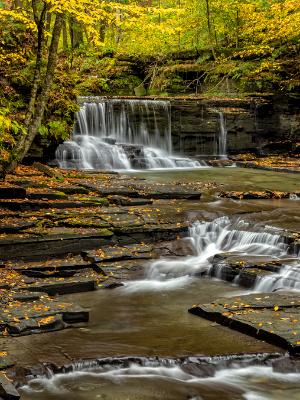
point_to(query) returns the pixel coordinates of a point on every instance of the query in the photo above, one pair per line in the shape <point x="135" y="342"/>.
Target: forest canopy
<point x="52" y="51"/>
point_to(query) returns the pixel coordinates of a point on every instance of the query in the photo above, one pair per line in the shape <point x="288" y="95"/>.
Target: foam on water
<point x="249" y="382"/>
<point x="122" y="135"/>
<point x="222" y="236"/>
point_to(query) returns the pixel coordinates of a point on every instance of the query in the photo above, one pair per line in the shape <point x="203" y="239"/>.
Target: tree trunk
<point x="40" y="23"/>
<point x="24" y="143"/>
<point x="76" y="33"/>
<point x="65" y="36"/>
<point x="209" y="27"/>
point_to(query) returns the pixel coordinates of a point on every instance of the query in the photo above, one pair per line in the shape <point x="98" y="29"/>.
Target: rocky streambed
<point x="65" y="236"/>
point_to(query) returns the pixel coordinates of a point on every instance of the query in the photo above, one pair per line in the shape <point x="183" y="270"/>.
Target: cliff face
<point x="267" y="125"/>
<point x="262" y="126"/>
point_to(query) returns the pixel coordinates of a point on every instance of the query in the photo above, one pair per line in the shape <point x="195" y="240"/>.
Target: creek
<point x="172" y="354"/>
<point x="149" y="318"/>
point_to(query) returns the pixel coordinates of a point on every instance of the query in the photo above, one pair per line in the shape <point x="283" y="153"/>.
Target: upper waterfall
<point x="121" y="134"/>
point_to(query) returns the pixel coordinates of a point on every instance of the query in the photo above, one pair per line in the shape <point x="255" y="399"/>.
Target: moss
<point x="60" y="194"/>
<point x="101" y="201"/>
<point x="105" y="232"/>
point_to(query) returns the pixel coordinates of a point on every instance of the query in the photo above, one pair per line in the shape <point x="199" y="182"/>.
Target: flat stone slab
<point x="272" y="317"/>
<point x="43" y="315"/>
<point x="64" y="287"/>
<point x="111" y="190"/>
<point x="145" y="190"/>
<point x="11" y="192"/>
<point x="15" y="225"/>
<point x="23" y="205"/>
<point x="5" y="360"/>
<point x="127" y="201"/>
<point x="117" y="253"/>
<point x="255" y="195"/>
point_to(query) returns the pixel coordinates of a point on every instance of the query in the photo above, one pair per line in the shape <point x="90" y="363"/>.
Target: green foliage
<point x="9" y="131"/>
<point x="55" y="129"/>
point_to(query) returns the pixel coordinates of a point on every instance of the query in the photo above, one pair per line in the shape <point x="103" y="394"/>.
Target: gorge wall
<point x="259" y="125"/>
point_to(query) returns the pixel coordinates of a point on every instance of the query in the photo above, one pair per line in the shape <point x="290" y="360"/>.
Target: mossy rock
<point x="101" y="201"/>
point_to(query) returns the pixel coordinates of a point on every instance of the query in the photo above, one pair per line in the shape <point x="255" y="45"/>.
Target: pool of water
<point x="231" y="178"/>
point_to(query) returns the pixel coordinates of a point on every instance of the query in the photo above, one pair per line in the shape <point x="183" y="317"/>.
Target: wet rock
<point x="109" y="140"/>
<point x="46" y="265"/>
<point x="273" y="317"/>
<point x="244" y="270"/>
<point x="111" y="190"/>
<point x="117" y="253"/>
<point x="46" y="196"/>
<point x="72" y="190"/>
<point x="180" y="247"/>
<point x="5" y="360"/>
<point x="253" y="195"/>
<point x="171" y="192"/>
<point x="123" y="220"/>
<point x="53" y="244"/>
<point x="112" y="283"/>
<point x="12" y="192"/>
<point x="44" y="315"/>
<point x="7" y="389"/>
<point x="93" y="222"/>
<point x="27" y="297"/>
<point x="36" y="325"/>
<point x="52" y="173"/>
<point x="53" y="274"/>
<point x="15" y="225"/>
<point x="35" y="205"/>
<point x="64" y="287"/>
<point x="127" y="201"/>
<point x="219" y="163"/>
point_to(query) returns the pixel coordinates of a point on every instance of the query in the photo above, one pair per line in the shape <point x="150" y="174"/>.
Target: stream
<point x="148" y="318"/>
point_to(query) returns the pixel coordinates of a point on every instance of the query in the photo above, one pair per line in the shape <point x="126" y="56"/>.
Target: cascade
<point x="121" y="134"/>
<point x="222" y="236"/>
<point x="255" y="377"/>
<point x="222" y="145"/>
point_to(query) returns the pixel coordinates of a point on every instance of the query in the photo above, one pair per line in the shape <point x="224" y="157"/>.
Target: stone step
<point x="77" y="285"/>
<point x="27" y="205"/>
<point x="12" y="192"/>
<point x="50" y="244"/>
<point x="272" y="317"/>
<point x="117" y="253"/>
<point x="22" y="318"/>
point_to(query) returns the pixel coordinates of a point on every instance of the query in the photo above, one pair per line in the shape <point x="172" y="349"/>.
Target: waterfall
<point x="216" y="237"/>
<point x="121" y="134"/>
<point x="222" y="145"/>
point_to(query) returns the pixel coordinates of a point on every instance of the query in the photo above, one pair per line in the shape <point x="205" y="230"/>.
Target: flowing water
<point x="223" y="236"/>
<point x="149" y="318"/>
<point x="170" y="379"/>
<point x="222" y="137"/>
<point x="122" y="134"/>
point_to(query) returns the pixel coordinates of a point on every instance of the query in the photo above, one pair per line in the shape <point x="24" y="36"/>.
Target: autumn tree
<point x="88" y="13"/>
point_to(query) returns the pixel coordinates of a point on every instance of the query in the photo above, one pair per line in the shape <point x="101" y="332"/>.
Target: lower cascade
<point x="209" y="239"/>
<point x="122" y="134"/>
<point x="194" y="378"/>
